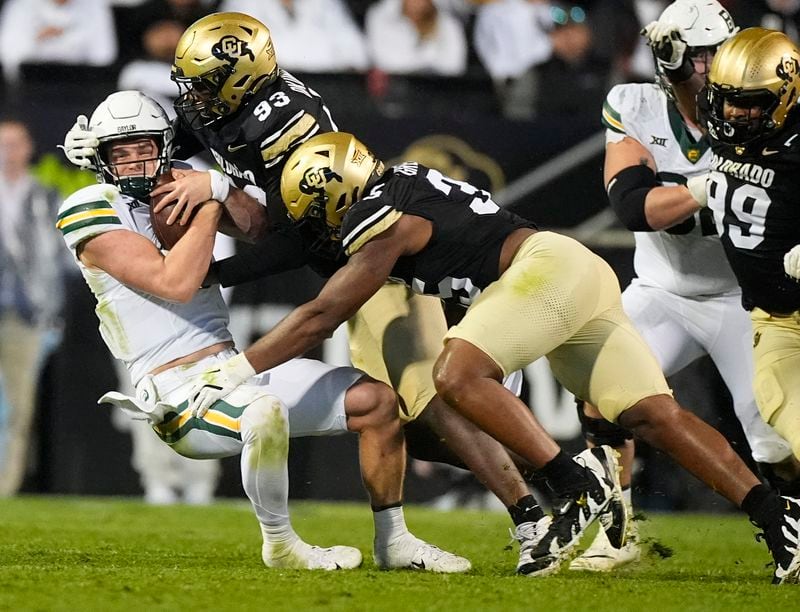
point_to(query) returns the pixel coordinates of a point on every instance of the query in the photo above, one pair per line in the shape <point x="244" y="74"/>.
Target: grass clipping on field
<point x="103" y="554"/>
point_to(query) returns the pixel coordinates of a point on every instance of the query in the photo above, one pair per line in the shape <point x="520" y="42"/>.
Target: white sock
<point x="265" y="475"/>
<point x="390" y="525"/>
<point x="626" y="496"/>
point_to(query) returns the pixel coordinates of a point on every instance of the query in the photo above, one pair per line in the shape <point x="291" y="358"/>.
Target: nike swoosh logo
<point x="766" y="151"/>
<point x="420" y="565"/>
<point x="234" y="148"/>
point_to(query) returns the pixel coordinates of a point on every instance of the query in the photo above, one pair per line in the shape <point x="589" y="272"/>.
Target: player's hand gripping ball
<point x="168" y="235"/>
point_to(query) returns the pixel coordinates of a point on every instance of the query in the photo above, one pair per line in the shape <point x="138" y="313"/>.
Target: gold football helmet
<point x="324" y="177"/>
<point x="752" y="85"/>
<point x="221" y="60"/>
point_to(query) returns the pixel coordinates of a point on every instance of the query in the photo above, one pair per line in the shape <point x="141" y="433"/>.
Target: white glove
<point x="80" y="144"/>
<point x="219" y="382"/>
<point x="791" y="262"/>
<point x="697" y="188"/>
<point x="668" y="42"/>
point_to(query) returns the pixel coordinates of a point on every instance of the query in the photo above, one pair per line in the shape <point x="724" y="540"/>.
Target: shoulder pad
<point x="629" y="103"/>
<point x="88" y="212"/>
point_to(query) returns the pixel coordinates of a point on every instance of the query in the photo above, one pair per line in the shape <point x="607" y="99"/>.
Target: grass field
<point x="106" y="554"/>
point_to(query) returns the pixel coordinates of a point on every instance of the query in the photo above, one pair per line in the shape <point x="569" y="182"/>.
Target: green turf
<point x="104" y="554"/>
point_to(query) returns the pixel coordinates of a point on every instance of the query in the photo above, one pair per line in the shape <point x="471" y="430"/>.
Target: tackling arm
<point x="136" y="262"/>
<point x="340" y="298"/>
<point x="640" y="202"/>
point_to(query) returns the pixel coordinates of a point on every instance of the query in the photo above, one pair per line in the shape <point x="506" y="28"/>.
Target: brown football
<point x="167" y="235"/>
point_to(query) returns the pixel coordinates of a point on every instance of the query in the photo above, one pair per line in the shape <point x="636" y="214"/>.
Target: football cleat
<point x="782" y="537"/>
<point x="409" y="552"/>
<point x="528" y="535"/>
<point x="299" y="555"/>
<point x="601" y="556"/>
<point x="573" y="514"/>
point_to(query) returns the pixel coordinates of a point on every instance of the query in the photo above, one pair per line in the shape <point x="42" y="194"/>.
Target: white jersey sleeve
<point x="88" y="213"/>
<point x="688" y="258"/>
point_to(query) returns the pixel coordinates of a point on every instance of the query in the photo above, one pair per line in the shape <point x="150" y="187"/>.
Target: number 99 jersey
<point x="755" y="195"/>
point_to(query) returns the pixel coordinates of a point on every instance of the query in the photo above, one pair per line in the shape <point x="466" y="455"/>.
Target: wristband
<point x="220" y="186"/>
<point x="697" y="188"/>
<point x="239" y="368"/>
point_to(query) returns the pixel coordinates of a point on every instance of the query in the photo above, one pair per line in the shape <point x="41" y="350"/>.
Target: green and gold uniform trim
<point x="84" y="215"/>
<point x="222" y="419"/>
<point x="692" y="149"/>
<point x="612" y="119"/>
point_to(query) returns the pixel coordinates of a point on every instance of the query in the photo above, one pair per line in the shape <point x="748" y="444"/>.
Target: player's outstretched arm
<point x="639" y="200"/>
<point x="341" y="297"/>
<point x="303" y="329"/>
<point x="135" y="261"/>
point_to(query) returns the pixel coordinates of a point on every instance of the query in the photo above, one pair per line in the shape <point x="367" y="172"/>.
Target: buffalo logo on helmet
<point x="232" y="49"/>
<point x="788" y="68"/>
<point x="315" y="179"/>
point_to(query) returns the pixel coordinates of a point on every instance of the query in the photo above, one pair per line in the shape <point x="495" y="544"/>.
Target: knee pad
<point x="266" y="418"/>
<point x="600" y="431"/>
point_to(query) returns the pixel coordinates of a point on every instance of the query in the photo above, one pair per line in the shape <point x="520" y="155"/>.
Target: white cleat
<point x="601" y="556"/>
<point x="528" y="535"/>
<point x="409" y="552"/>
<point x="299" y="555"/>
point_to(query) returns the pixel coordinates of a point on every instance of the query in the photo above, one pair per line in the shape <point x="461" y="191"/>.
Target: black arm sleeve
<point x="281" y="250"/>
<point x="627" y="192"/>
<point x="185" y="143"/>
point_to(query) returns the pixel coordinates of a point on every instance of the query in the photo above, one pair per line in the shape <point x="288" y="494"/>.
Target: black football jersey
<point x="755" y="195"/>
<point x="252" y="147"/>
<point x="469" y="229"/>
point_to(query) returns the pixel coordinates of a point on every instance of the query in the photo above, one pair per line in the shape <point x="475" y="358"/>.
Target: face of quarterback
<point x="137" y="157"/>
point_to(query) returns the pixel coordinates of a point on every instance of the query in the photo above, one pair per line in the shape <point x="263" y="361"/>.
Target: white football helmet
<point x="127" y="115"/>
<point x="705" y="24"/>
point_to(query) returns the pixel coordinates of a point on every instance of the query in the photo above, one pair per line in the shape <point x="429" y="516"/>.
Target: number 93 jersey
<point x="252" y="147"/>
<point x="754" y="192"/>
<point x="687" y="259"/>
<point x="469" y="229"/>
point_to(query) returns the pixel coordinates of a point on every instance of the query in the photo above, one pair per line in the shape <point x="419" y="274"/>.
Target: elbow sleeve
<point x="627" y="193"/>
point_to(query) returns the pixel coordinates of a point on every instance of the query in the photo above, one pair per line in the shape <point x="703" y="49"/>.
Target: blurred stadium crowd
<point x="572" y="51"/>
<point x="516" y="60"/>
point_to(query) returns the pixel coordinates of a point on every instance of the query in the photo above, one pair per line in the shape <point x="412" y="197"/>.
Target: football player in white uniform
<point x="685" y="300"/>
<point x="155" y="317"/>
